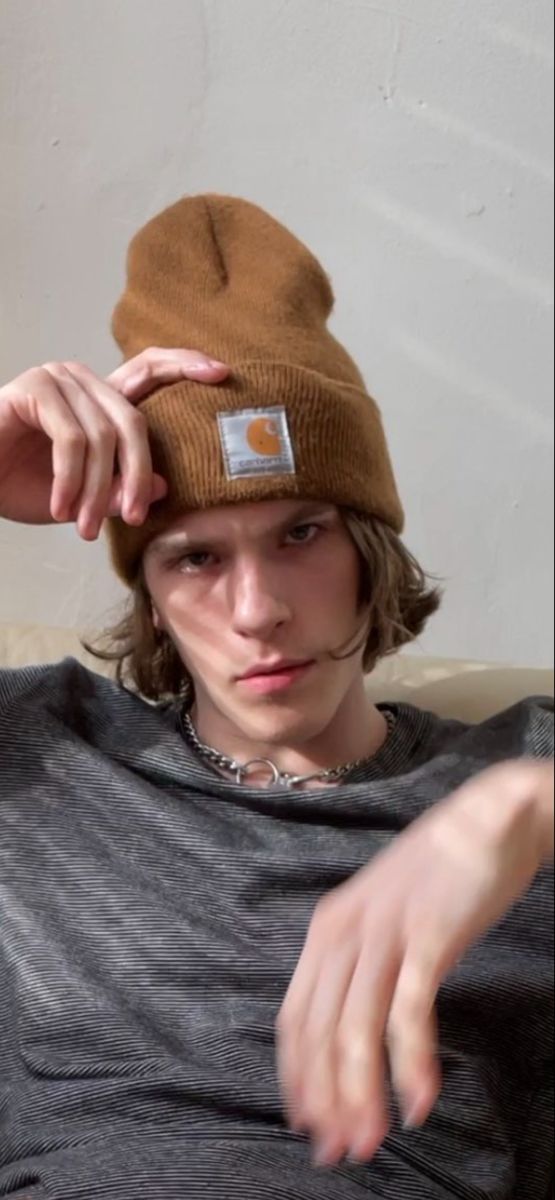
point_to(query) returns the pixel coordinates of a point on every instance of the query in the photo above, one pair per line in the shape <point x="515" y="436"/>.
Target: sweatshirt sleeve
<point x="17" y="683"/>
<point x="540" y="726"/>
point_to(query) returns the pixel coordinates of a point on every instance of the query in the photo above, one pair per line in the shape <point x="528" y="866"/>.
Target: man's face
<point x="255" y="597"/>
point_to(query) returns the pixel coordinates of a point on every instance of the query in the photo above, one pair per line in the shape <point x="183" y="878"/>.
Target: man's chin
<point x="277" y="725"/>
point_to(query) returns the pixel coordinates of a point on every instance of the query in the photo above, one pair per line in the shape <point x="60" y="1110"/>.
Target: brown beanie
<point x="219" y="275"/>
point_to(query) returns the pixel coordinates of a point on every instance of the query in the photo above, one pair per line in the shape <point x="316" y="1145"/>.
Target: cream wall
<point x="409" y="141"/>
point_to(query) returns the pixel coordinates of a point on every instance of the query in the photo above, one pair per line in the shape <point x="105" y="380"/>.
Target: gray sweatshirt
<point x="151" y="918"/>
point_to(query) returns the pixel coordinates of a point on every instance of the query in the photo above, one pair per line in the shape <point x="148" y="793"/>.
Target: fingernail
<point x="89" y="533"/>
<point x="412" y="1112"/>
<point x="357" y="1153"/>
<point x="133" y="511"/>
<point x="211" y="364"/>
<point x="325" y="1153"/>
<point x="159" y="489"/>
<point x="137" y="515"/>
<point x="361" y="1153"/>
<point x="367" y="1141"/>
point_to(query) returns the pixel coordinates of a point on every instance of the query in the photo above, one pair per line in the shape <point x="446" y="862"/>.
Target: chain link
<point x="279" y="778"/>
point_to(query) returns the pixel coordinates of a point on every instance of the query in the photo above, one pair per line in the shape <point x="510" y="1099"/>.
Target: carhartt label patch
<point x="256" y="441"/>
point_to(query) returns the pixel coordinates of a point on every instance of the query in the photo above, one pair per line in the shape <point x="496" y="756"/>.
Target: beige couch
<point x="468" y="690"/>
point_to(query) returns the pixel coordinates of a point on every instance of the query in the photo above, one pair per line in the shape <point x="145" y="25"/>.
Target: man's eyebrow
<point x="172" y="541"/>
<point x="306" y="509"/>
<point x="191" y="541"/>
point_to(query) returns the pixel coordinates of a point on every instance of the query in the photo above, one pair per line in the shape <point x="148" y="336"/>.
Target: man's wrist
<point x="526" y="795"/>
<point x="507" y="806"/>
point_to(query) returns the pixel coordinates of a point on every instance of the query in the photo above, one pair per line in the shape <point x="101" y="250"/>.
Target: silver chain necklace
<point x="279" y="779"/>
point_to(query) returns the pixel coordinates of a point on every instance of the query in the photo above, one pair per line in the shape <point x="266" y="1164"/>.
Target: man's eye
<point x="195" y="561"/>
<point x="304" y="533"/>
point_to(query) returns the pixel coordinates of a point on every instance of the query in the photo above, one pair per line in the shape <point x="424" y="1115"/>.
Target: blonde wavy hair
<point x="396" y="600"/>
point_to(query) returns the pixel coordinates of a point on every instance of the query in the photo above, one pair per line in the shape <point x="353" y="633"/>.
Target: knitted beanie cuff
<point x="272" y="431"/>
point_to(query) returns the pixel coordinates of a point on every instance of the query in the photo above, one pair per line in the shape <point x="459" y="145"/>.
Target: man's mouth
<point x="275" y="676"/>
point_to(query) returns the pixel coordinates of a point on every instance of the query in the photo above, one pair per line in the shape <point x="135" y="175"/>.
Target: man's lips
<point x="275" y="679"/>
<point x="275" y="668"/>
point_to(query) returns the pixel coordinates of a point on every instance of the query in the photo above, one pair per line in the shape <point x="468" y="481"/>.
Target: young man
<point x="261" y="846"/>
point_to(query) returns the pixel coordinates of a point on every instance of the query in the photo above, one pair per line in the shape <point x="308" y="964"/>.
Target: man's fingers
<point x="332" y="1031"/>
<point x="54" y="415"/>
<point x="101" y="443"/>
<point x="157" y="366"/>
<point x="78" y="432"/>
<point x="360" y="1046"/>
<point x="159" y="488"/>
<point x="99" y="466"/>
<point x="69" y="451"/>
<point x="133" y="448"/>
<point x="291" y="1020"/>
<point x="290" y="1060"/>
<point x="158" y="491"/>
<point x="320" y="1103"/>
<point x="412" y="1035"/>
<point x="114" y="400"/>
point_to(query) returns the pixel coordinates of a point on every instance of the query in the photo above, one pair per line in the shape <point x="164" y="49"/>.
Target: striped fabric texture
<point x="151" y="918"/>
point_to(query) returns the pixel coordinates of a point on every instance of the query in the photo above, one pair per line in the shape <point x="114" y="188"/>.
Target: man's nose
<point x="257" y="601"/>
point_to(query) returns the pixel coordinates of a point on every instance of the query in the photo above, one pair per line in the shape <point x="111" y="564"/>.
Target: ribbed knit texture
<point x="151" y="918"/>
<point x="221" y="276"/>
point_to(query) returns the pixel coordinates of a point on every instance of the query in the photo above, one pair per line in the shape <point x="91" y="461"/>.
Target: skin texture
<point x="249" y="584"/>
<point x="244" y="584"/>
<point x="441" y="885"/>
<point x="74" y="447"/>
<point x="266" y="582"/>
